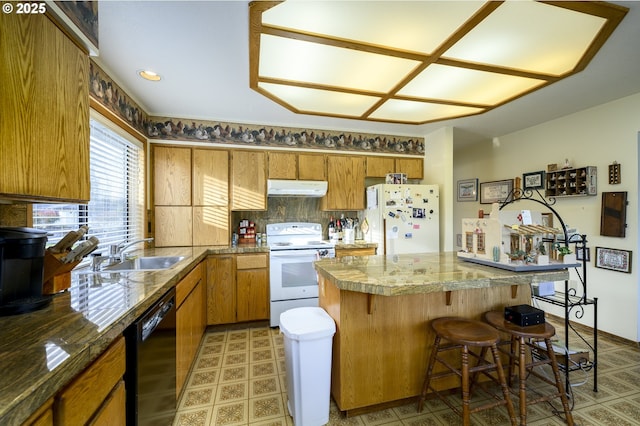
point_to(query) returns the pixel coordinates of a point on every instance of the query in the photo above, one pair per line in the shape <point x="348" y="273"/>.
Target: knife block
<point x="57" y="274"/>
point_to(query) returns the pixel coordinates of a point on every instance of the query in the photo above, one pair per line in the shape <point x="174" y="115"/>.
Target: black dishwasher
<point x="150" y="378"/>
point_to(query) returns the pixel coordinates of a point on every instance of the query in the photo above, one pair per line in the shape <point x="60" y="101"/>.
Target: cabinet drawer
<point x="251" y="261"/>
<point x="188" y="283"/>
<point x="77" y="403"/>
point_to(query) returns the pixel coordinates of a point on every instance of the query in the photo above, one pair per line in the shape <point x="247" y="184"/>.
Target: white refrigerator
<point x="403" y="218"/>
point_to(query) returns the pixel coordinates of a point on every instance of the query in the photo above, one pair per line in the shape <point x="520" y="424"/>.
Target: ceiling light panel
<point x="416" y="112"/>
<point x="424" y="25"/>
<point x="418" y="61"/>
<point x="465" y="85"/>
<point x="528" y="35"/>
<point x="321" y="101"/>
<point x="296" y="60"/>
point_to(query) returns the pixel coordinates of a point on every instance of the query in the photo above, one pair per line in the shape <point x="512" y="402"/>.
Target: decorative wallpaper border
<point x="164" y="128"/>
<point x="115" y="99"/>
<point x="112" y="97"/>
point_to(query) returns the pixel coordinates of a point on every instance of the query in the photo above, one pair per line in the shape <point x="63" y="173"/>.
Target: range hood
<point x="296" y="188"/>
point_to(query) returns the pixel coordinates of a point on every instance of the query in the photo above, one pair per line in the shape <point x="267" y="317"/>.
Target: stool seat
<point x="461" y="334"/>
<point x="465" y="332"/>
<point x="529" y="336"/>
<point x="539" y="331"/>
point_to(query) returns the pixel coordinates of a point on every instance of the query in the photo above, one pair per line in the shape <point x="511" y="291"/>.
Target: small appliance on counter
<point x="21" y="270"/>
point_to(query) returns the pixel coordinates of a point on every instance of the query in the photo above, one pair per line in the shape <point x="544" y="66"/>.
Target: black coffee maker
<point x="22" y="270"/>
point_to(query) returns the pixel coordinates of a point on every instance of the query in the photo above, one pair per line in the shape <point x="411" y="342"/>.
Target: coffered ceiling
<point x="201" y="50"/>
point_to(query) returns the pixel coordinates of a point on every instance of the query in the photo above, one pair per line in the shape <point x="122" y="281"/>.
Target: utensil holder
<point x="57" y="274"/>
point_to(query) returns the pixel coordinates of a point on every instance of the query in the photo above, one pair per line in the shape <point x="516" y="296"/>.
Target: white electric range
<point x="293" y="247"/>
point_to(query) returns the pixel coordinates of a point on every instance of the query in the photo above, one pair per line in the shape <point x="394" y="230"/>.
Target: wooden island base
<point x="382" y="343"/>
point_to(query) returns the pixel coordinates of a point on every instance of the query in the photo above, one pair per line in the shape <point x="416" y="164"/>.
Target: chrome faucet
<point x="116" y="251"/>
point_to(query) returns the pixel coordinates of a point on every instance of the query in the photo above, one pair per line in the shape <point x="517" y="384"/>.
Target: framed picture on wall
<point x="533" y="180"/>
<point x="495" y="192"/>
<point x="613" y="259"/>
<point x="468" y="190"/>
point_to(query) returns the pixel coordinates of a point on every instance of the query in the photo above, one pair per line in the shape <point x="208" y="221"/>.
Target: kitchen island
<point x="382" y="306"/>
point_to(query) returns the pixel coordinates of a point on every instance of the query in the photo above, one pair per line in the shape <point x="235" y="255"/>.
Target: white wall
<point x="438" y="170"/>
<point x="594" y="137"/>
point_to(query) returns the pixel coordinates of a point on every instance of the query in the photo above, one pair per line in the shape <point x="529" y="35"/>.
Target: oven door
<point x="292" y="275"/>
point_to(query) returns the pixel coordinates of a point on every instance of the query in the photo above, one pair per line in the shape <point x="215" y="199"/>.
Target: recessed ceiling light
<point x="149" y="75"/>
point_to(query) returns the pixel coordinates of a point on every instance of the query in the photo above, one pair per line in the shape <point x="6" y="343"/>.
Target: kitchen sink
<point x="152" y="263"/>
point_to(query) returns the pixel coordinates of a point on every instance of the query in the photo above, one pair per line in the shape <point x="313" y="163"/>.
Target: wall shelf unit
<point x="580" y="181"/>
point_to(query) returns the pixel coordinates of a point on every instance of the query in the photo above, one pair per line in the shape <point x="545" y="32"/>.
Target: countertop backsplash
<point x="14" y="214"/>
<point x="289" y="209"/>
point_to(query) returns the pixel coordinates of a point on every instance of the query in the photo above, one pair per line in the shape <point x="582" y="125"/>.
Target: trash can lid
<point x="307" y="323"/>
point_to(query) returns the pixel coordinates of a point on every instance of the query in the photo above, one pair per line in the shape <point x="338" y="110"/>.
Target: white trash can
<point x="308" y="336"/>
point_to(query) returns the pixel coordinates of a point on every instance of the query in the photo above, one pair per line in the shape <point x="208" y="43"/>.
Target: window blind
<point x="115" y="212"/>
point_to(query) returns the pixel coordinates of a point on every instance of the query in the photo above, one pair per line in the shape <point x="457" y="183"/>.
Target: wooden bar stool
<point x="461" y="333"/>
<point x="521" y="338"/>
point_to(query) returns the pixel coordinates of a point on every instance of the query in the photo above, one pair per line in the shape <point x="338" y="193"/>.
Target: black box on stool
<point x="524" y="315"/>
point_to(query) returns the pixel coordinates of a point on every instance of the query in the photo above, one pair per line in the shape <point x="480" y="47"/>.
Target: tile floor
<point x="238" y="378"/>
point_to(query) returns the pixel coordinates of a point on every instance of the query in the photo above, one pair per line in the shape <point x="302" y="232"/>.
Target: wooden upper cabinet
<point x="210" y="176"/>
<point x="312" y="167"/>
<point x="210" y="225"/>
<point x="380" y="166"/>
<point x="289" y="165"/>
<point x="248" y="180"/>
<point x="174" y="226"/>
<point x="412" y="167"/>
<point x="172" y="176"/>
<point x="44" y="102"/>
<point x="345" y="176"/>
<point x="283" y="165"/>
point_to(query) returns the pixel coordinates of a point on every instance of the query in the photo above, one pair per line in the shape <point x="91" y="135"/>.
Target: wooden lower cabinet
<point x="110" y="413"/>
<point x="89" y="396"/>
<point x="252" y="287"/>
<point x="221" y="289"/>
<point x="363" y="251"/>
<point x="237" y="288"/>
<point x="191" y="322"/>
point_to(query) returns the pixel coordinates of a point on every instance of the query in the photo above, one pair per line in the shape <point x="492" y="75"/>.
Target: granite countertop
<point x="421" y="273"/>
<point x="42" y="351"/>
